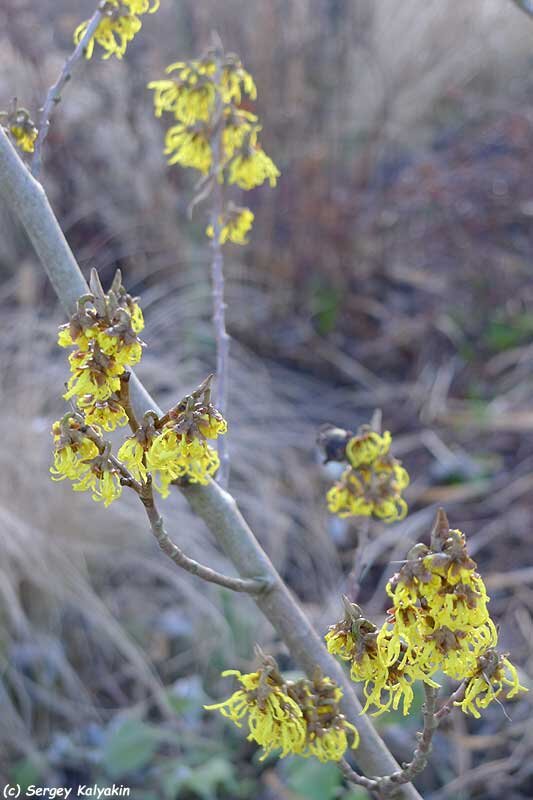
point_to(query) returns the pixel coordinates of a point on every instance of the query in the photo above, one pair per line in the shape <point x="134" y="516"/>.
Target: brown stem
<point x="125" y="402"/>
<point x="353" y="777"/>
<point x="384" y="787"/>
<point x="456" y="697"/>
<point x="53" y="96"/>
<point x="419" y="761"/>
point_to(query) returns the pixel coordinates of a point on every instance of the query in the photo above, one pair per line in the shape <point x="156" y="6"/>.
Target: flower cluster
<point x="494" y="676"/>
<point x="439" y="623"/>
<point x="234" y="224"/>
<point x="439" y="608"/>
<point x="78" y="457"/>
<point x="21" y="127"/>
<point x="104" y="332"/>
<point x="212" y="134"/>
<point x="296" y="717"/>
<point x="373" y="481"/>
<point x="176" y="446"/>
<point x="119" y="24"/>
<point x="386" y="685"/>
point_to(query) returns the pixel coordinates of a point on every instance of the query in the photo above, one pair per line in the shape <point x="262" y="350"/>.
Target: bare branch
<point x="216" y="507"/>
<point x="53" y="96"/>
<point x="447" y="707"/>
<point x="353" y="777"/>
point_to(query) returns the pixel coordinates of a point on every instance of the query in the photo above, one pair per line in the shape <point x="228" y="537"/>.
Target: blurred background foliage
<point x="390" y="268"/>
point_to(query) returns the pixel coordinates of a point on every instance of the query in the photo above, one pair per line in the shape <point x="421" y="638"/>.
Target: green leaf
<point x="130" y="747"/>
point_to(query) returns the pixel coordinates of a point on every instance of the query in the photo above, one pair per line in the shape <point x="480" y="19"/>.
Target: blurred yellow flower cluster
<point x="295" y="717"/>
<point x="119" y="24"/>
<point x="212" y="134"/>
<point x="372" y="483"/>
<point x="20" y="126"/>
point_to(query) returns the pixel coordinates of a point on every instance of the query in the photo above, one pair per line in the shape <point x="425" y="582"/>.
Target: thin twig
<point x="53" y="96"/>
<point x="171" y="549"/>
<point x="218" y="509"/>
<point x="456" y="697"/>
<point x="353" y="777"/>
<point x="422" y="750"/>
<point x="217" y="277"/>
<point x="384" y="787"/>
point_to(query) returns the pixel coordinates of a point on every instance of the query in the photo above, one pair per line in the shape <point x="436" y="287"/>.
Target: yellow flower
<point x="132" y="455"/>
<point x="72" y="453"/>
<point x="119" y="25"/>
<point x="104" y="332"/>
<point x="300" y="717"/>
<point x="70" y="336"/>
<point x="106" y="414"/>
<point x="274" y="719"/>
<point x="103" y="482"/>
<point x="346" y="498"/>
<point x="340" y="642"/>
<point x="238" y="125"/>
<point x="136" y="315"/>
<point x="252" y="168"/>
<point x="367" y="447"/>
<point x="20" y="126"/>
<point x="440" y="616"/>
<point x="188" y="146"/>
<point x="171" y="456"/>
<point x="374" y="490"/>
<point x="93" y="374"/>
<point x="328" y="731"/>
<point x="79" y="459"/>
<point x="397" y="687"/>
<point x="235" y="81"/>
<point x="24" y="136"/>
<point x="210" y="423"/>
<point x="235" y="223"/>
<point x="495" y="676"/>
<point x="190" y="95"/>
<point x="113" y="35"/>
<point x="124" y="353"/>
